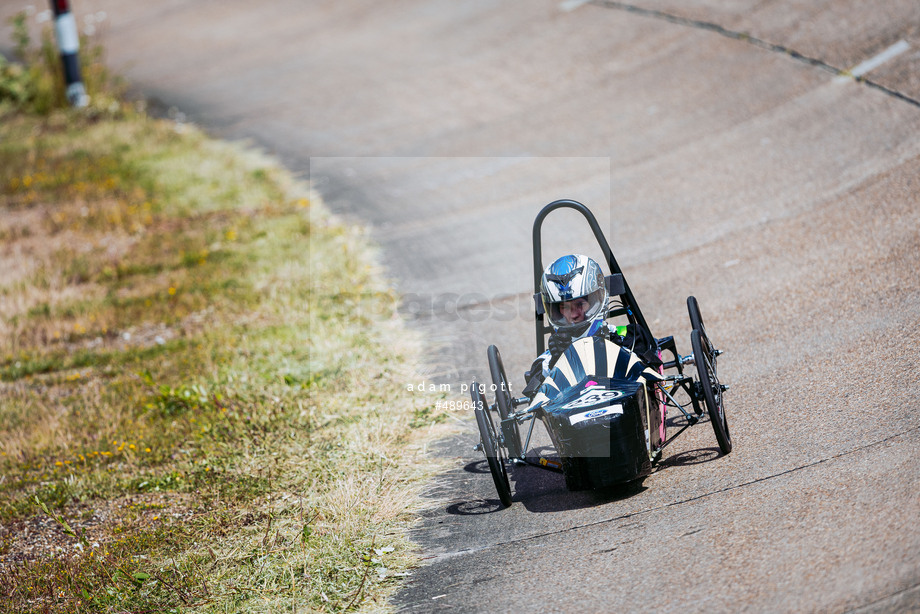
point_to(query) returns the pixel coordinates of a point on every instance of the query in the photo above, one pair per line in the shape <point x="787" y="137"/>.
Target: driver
<point x="574" y="295"/>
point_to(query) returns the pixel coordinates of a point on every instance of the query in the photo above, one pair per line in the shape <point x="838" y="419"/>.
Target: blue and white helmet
<point x="567" y="280"/>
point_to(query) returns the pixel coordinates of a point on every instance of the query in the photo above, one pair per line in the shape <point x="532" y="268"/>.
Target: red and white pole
<point x="68" y="40"/>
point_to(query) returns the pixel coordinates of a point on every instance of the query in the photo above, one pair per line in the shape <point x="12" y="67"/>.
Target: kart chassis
<point x="503" y="444"/>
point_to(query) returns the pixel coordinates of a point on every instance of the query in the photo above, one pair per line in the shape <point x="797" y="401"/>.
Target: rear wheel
<point x="511" y="433"/>
<point x="493" y="451"/>
<point x="575" y="473"/>
<point x="705" y="358"/>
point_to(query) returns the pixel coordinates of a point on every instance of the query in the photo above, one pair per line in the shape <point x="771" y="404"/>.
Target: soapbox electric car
<point x="604" y="404"/>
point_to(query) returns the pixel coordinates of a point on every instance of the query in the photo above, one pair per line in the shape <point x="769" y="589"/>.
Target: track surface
<point x="724" y="159"/>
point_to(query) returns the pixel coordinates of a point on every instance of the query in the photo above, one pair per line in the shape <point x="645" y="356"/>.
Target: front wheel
<point x="494" y="453"/>
<point x="705" y="358"/>
<point x="511" y="434"/>
<point x="696" y="319"/>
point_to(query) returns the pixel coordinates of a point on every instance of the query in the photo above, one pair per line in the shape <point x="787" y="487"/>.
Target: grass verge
<point x="202" y="379"/>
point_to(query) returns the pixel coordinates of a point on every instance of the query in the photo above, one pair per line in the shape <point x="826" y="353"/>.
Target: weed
<point x="212" y="413"/>
<point x="37" y="84"/>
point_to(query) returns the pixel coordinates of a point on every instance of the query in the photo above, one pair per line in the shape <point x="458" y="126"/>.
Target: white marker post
<point x="68" y="40"/>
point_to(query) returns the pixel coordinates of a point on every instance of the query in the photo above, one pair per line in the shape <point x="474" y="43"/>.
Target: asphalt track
<point x="725" y="157"/>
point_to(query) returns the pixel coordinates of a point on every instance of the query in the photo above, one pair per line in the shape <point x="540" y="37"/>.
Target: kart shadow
<point x="477" y="466"/>
<point x="690" y="457"/>
<point x="678" y="421"/>
<point x="475" y="507"/>
<point x="541" y="491"/>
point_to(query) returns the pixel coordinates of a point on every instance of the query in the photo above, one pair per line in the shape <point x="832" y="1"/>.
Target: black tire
<point x="511" y="433"/>
<point x="696" y="320"/>
<point x="696" y="323"/>
<point x="494" y="453"/>
<point x="575" y="474"/>
<point x="705" y="358"/>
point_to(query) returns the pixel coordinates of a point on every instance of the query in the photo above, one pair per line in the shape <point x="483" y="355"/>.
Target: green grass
<point x="35" y="85"/>
<point x="202" y="378"/>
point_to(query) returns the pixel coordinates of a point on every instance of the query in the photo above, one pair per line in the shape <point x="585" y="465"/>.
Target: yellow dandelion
<point x="231" y="235"/>
<point x="131" y="446"/>
<point x="303" y="202"/>
<point x="172" y="291"/>
<point x="146" y="449"/>
<point x="58" y="463"/>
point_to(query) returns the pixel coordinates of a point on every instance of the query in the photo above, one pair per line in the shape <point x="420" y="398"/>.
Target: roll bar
<point x="631" y="308"/>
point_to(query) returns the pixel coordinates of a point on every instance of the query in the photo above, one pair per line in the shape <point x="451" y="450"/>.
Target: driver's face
<point x="574" y="311"/>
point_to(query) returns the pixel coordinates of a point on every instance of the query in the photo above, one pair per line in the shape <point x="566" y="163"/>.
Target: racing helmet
<point x="565" y="281"/>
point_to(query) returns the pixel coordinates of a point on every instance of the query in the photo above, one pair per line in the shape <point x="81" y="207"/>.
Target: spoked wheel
<point x="696" y="320"/>
<point x="510" y="431"/>
<point x="490" y="446"/>
<point x="696" y="323"/>
<point x="705" y="357"/>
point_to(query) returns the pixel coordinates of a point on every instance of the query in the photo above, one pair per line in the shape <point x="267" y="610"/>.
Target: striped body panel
<point x="597" y="357"/>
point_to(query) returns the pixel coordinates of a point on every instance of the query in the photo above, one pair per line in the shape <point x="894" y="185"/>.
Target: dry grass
<point x="203" y="382"/>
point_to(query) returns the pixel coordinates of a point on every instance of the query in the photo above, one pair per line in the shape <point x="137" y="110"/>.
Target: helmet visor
<point x="572" y="314"/>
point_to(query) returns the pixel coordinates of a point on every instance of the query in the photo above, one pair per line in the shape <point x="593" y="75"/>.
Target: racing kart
<point x="604" y="404"/>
